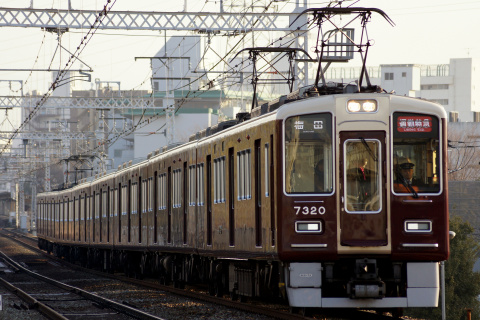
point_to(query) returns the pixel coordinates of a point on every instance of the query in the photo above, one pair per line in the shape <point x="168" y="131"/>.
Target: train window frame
<point x="151" y="195"/>
<point x="379" y="175"/>
<point x="104" y="204"/>
<point x="96" y="205"/>
<point x="219" y="180"/>
<point x="161" y="191"/>
<point x="244" y="172"/>
<point x="134" y="198"/>
<point x="114" y="206"/>
<point x="123" y="209"/>
<point x="201" y="184"/>
<point x="328" y="158"/>
<point x="436" y="128"/>
<point x="144" y="194"/>
<point x="267" y="170"/>
<point x="177" y="188"/>
<point x="192" y="185"/>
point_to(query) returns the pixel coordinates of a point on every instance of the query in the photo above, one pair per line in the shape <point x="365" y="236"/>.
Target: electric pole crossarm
<point x="49" y="135"/>
<point x="78" y="102"/>
<point x="132" y="20"/>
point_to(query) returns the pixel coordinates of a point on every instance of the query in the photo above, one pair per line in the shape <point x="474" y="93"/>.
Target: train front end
<point x="362" y="211"/>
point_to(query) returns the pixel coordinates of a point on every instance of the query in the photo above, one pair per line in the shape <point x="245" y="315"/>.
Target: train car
<point x="331" y="200"/>
<point x="377" y="236"/>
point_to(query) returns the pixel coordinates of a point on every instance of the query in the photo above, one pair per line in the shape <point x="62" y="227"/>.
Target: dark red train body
<point x="310" y="199"/>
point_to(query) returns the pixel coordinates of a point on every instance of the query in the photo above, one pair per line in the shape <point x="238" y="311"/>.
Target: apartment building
<point x="455" y="85"/>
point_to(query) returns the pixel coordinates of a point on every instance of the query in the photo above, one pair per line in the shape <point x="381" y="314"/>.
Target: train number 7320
<point x="309" y="210"/>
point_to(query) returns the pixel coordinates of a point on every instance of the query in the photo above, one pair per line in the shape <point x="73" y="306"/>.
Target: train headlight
<point x="354" y="106"/>
<point x="369" y="106"/>
<point x="308" y="226"/>
<point x="418" y="226"/>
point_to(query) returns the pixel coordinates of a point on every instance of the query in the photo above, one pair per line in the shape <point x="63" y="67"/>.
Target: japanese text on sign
<point x="414" y="124"/>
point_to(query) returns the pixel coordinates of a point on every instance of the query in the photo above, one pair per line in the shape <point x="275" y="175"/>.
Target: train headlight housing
<point x="416" y="226"/>
<point x="368" y="106"/>
<point x="353" y="106"/>
<point x="308" y="226"/>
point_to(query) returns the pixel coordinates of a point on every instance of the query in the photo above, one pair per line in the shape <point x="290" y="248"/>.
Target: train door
<point x="155" y="207"/>
<point x="363" y="214"/>
<point x="169" y="205"/>
<point x="231" y="197"/>
<point x="258" y="195"/>
<point x="209" y="200"/>
<point x="185" y="203"/>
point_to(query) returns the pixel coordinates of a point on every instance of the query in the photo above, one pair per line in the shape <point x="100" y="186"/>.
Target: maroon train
<point x="335" y="200"/>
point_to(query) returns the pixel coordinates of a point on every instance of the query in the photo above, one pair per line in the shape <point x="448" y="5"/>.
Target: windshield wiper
<point x="369" y="150"/>
<point x="406" y="184"/>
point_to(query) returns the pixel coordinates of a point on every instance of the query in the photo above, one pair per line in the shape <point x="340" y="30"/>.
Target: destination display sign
<point x="414" y="124"/>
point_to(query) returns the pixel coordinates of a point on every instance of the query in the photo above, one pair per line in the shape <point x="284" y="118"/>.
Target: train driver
<point x="405" y="179"/>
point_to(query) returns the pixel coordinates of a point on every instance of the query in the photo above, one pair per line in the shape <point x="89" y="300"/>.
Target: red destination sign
<point x="414" y="124"/>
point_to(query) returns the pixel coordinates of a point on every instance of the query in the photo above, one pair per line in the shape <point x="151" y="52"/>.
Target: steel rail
<point x="125" y="309"/>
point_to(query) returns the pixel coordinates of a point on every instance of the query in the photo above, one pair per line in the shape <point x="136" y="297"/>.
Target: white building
<point x="451" y="85"/>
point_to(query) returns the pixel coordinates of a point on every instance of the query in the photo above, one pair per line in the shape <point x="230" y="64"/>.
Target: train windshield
<point x="416" y="157"/>
<point x="308" y="154"/>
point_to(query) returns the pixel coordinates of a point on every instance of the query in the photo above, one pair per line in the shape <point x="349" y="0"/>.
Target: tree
<point x="463" y="142"/>
<point x="462" y="284"/>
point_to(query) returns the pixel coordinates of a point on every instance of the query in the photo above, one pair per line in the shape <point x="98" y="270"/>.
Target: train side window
<point x="133" y="198"/>
<point x="151" y="192"/>
<point x="124" y="200"/>
<point x="219" y="179"/>
<point x="162" y="189"/>
<point x="177" y="187"/>
<point x="240" y="175"/>
<point x="191" y="186"/>
<point x="308" y="163"/>
<point x="104" y="204"/>
<point x="143" y="195"/>
<point x="200" y="184"/>
<point x="244" y="172"/>
<point x="416" y="154"/>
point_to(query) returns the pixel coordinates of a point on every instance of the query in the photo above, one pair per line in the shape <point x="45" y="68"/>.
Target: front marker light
<point x="369" y="106"/>
<point x="308" y="226"/>
<point x="353" y="106"/>
<point x="418" y="226"/>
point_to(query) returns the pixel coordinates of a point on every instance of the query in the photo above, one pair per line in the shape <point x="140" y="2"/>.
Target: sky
<point x="425" y="32"/>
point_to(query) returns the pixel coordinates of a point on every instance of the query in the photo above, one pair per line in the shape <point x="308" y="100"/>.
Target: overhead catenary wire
<point x="191" y="94"/>
<point x="100" y="17"/>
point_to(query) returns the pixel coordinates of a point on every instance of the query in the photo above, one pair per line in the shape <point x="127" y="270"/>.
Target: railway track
<point x="58" y="300"/>
<point x="265" y="311"/>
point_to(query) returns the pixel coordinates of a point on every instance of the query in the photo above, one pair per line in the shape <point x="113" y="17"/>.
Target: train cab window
<point x="416" y="155"/>
<point x="308" y="154"/>
<point x="362" y="175"/>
